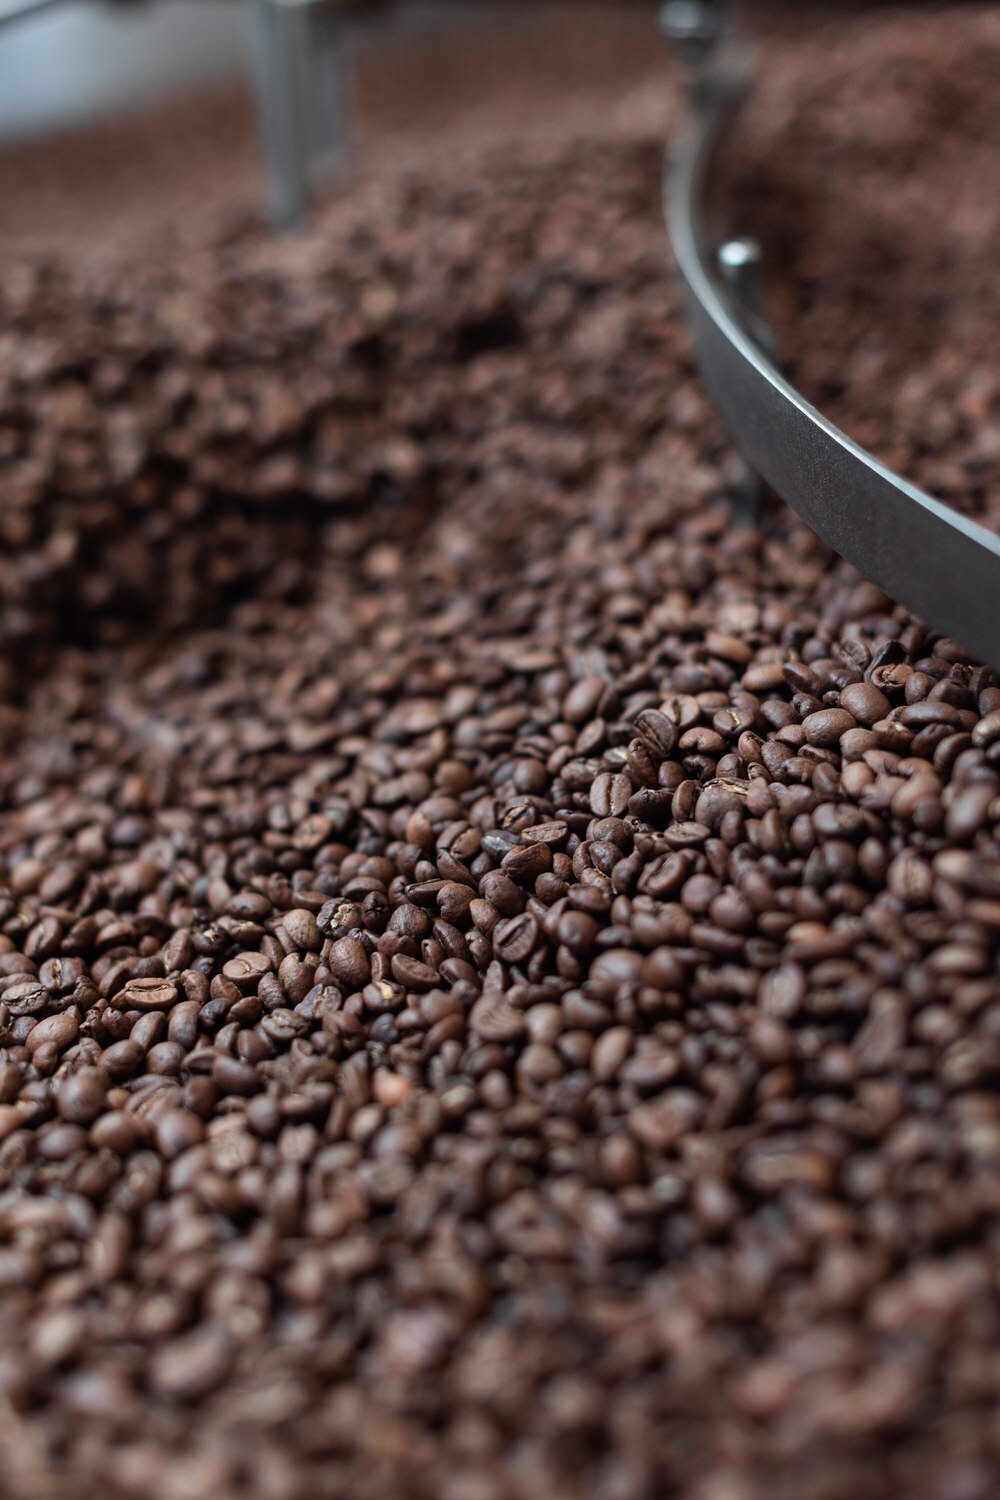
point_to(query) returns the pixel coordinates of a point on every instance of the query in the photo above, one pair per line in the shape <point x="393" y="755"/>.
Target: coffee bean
<point x="525" y="862"/>
<point x="302" y="928"/>
<point x="582" y="699"/>
<point x="658" y="731"/>
<point x="501" y="892"/>
<point x="918" y="715"/>
<point x="148" y="994"/>
<point x="177" y="1130"/>
<point x="123" y="1058"/>
<point x="115" y="1131"/>
<point x="81" y="1097"/>
<point x="246" y="970"/>
<point x="349" y="964"/>
<point x="987" y="731"/>
<point x="514" y="938"/>
<point x="413" y="974"/>
<point x="864" y="702"/>
<point x="494" y="1020"/>
<point x="55" y="1031"/>
<point x="25" y="997"/>
<point x="234" y="1077"/>
<point x="968" y="812"/>
<point x="191" y="1367"/>
<point x="825" y="727"/>
<point x="577" y="931"/>
<point x="609" y="795"/>
<point x="454" y="900"/>
<point x="610" y="1051"/>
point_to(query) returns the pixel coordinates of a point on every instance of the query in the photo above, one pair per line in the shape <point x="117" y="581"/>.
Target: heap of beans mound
<point x="498" y="968"/>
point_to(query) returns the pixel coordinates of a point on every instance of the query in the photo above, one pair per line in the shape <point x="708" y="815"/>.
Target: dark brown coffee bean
<point x="582" y="699"/>
<point x="514" y="938"/>
<point x="177" y="1130"/>
<point x="148" y="994"/>
<point x="302" y="929"/>
<point x="658" y="731"/>
<point x="610" y="1051"/>
<point x="864" y="702"/>
<point x="825" y="727"/>
<point x="117" y="1132"/>
<point x="918" y="715"/>
<point x="987" y="730"/>
<point x="167" y="1058"/>
<point x="233" y="1077"/>
<point x="349" y="964"/>
<point x="25" y="997"/>
<point x="57" y="1031"/>
<point x="193" y="1366"/>
<point x="501" y="892"/>
<point x="525" y="862"/>
<point x="494" y="1020"/>
<point x="80" y="1097"/>
<point x="454" y="900"/>
<point x="413" y="974"/>
<point x="246" y="970"/>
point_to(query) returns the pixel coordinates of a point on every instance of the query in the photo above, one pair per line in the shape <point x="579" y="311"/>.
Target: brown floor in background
<point x="114" y="184"/>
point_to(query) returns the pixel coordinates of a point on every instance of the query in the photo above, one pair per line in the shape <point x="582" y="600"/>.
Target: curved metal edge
<point x="937" y="563"/>
<point x="20" y="10"/>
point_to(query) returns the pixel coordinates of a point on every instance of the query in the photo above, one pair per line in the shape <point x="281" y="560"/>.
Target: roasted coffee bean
<point x="609" y="795"/>
<point x="825" y="726"/>
<point x="582" y="699"/>
<point x="25" y="997"/>
<point x="658" y="731"/>
<point x="864" y="702"/>
<point x="349" y="964"/>
<point x="514" y="938"/>
<point x="147" y="994"/>
<point x="987" y="731"/>
<point x="525" y="862"/>
<point x="81" y="1097"/>
<point x="246" y="970"/>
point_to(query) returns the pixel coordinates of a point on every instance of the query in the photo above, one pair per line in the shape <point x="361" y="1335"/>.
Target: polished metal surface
<point x="19" y="10"/>
<point x="935" y="562"/>
<point x="300" y="52"/>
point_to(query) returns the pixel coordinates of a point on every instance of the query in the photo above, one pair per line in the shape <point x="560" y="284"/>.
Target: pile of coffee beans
<point x="498" y="967"/>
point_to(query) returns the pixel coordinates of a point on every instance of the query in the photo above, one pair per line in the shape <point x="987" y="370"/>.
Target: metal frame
<point x="302" y="73"/>
<point x="934" y="561"/>
<point x="303" y="77"/>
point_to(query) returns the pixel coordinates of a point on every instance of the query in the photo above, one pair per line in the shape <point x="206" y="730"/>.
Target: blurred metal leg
<point x="332" y="112"/>
<point x="17" y="10"/>
<point x="740" y="267"/>
<point x="302" y="77"/>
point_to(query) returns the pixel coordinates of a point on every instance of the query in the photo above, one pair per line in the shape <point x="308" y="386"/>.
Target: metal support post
<point x="302" y="77"/>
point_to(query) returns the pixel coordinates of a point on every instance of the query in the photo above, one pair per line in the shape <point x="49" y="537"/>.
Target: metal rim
<point x="939" y="564"/>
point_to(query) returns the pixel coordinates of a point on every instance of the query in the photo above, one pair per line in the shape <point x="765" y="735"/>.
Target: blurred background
<point x="120" y="115"/>
<point x="129" y="128"/>
<point x="117" y="116"/>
